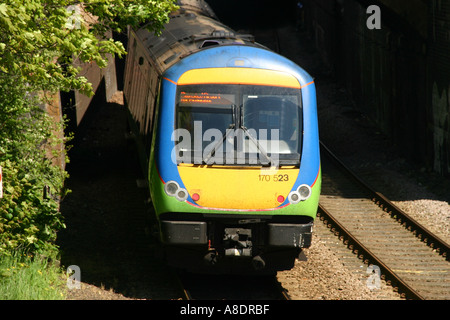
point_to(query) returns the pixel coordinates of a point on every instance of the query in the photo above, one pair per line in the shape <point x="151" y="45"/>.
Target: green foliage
<point x="26" y="277"/>
<point x="40" y="39"/>
<point x="27" y="218"/>
<point x="41" y="42"/>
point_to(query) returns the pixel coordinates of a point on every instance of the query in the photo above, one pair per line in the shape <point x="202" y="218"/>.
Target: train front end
<point x="235" y="168"/>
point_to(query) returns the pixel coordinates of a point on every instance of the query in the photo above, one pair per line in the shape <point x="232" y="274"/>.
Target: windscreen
<point x="238" y="125"/>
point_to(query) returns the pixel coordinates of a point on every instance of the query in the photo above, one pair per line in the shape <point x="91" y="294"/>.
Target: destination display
<point x="198" y="98"/>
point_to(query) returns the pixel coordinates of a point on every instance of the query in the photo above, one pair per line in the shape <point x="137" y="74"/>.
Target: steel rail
<point x="189" y="291"/>
<point x="396" y="213"/>
<point x="366" y="255"/>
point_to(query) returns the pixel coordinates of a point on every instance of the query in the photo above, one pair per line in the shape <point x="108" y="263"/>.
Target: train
<point x="228" y="139"/>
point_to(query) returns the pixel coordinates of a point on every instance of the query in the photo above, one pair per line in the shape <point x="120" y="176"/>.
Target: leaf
<point x="4" y="9"/>
<point x="31" y="239"/>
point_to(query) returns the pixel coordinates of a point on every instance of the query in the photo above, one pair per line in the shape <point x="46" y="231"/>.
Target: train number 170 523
<point x="274" y="177"/>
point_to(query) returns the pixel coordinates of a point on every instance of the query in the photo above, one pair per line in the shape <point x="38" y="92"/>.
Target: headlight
<point x="302" y="193"/>
<point x="182" y="195"/>
<point x="305" y="191"/>
<point x="294" y="197"/>
<point x="172" y="189"/>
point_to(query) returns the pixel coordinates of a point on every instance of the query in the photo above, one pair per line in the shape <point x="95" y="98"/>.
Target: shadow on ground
<point x="105" y="213"/>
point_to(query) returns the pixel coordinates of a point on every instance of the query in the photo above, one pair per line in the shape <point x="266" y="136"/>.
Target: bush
<point x="29" y="214"/>
<point x="39" y="42"/>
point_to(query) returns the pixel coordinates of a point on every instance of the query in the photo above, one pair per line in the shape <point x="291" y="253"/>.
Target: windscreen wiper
<point x="261" y="149"/>
<point x="258" y="145"/>
<point x="244" y="129"/>
<point x="218" y="144"/>
<point x="224" y="136"/>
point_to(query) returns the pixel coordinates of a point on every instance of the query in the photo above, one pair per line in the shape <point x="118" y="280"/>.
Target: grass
<point x="23" y="277"/>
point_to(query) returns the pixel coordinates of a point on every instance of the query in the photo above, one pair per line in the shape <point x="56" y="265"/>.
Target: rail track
<point x="229" y="287"/>
<point x="404" y="253"/>
<point x="399" y="250"/>
<point x="410" y="258"/>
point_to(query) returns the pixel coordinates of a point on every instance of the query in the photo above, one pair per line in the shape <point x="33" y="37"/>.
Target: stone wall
<point x="398" y="74"/>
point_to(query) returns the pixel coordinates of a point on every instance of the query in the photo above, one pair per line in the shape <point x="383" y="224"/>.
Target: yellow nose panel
<point x="225" y="187"/>
<point x="239" y="76"/>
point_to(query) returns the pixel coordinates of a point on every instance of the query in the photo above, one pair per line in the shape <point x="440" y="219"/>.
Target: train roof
<point x="191" y="28"/>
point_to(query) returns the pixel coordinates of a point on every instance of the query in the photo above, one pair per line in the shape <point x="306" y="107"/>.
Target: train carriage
<point x="229" y="139"/>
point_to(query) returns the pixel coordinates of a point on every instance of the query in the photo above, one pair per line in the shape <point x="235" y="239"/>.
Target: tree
<point x="39" y="41"/>
<point x="40" y="38"/>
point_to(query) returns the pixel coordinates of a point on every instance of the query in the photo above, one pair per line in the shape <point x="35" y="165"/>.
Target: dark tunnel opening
<point x="243" y="14"/>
